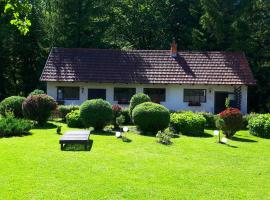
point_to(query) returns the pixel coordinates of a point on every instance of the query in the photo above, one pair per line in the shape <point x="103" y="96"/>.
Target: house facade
<point x="197" y="81"/>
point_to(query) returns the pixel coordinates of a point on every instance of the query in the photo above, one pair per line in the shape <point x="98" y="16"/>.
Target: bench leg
<point x="62" y="146"/>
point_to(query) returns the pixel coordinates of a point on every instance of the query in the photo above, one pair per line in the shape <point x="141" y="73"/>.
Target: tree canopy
<point x="29" y="29"/>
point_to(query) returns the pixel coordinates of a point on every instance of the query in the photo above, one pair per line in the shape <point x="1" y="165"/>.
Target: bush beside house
<point x="96" y="113"/>
<point x="187" y="123"/>
<point x="73" y="119"/>
<point x="39" y="108"/>
<point x="65" y="109"/>
<point x="37" y="91"/>
<point x="259" y="125"/>
<point x="12" y="104"/>
<point x="151" y="117"/>
<point x="230" y="121"/>
<point x="136" y="100"/>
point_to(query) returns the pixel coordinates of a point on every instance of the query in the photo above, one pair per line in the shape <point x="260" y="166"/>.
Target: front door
<point x="97" y="94"/>
<point x="220" y="98"/>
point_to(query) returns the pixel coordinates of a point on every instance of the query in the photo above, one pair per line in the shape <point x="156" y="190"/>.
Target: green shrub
<point x="39" y="108"/>
<point x="164" y="137"/>
<point x="125" y="113"/>
<point x="246" y="119"/>
<point x="230" y="121"/>
<point x="96" y="113"/>
<point x="151" y="117"/>
<point x="120" y="120"/>
<point x="187" y="123"/>
<point x="260" y="125"/>
<point x="116" y="112"/>
<point x="136" y="100"/>
<point x="64" y="110"/>
<point x="210" y="120"/>
<point x="37" y="91"/>
<point x="73" y="119"/>
<point x="10" y="126"/>
<point x="12" y="104"/>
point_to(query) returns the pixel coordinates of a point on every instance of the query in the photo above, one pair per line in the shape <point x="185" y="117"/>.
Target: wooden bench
<point x="75" y="137"/>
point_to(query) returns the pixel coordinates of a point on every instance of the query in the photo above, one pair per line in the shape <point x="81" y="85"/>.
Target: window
<point x="195" y="95"/>
<point x="156" y="94"/>
<point x="123" y="95"/>
<point x="97" y="94"/>
<point x="68" y="93"/>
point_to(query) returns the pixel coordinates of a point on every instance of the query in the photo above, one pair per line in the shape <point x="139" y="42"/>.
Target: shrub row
<point x="259" y="125"/>
<point x="65" y="109"/>
<point x="188" y="123"/>
<point x="11" y="126"/>
<point x="74" y="120"/>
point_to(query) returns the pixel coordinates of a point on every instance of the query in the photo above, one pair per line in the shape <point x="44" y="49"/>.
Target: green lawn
<point x="33" y="167"/>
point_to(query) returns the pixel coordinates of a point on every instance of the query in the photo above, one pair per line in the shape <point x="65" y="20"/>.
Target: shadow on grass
<point x="13" y="135"/>
<point x="232" y="146"/>
<point x="242" y="139"/>
<point x="103" y="132"/>
<point x="78" y="147"/>
<point x="46" y="126"/>
<point x="203" y="135"/>
<point x="125" y="139"/>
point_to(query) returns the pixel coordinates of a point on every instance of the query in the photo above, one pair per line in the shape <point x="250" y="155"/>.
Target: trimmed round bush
<point x="151" y="117"/>
<point x="96" y="113"/>
<point x="74" y="120"/>
<point x="136" y="100"/>
<point x="230" y="121"/>
<point x="39" y="108"/>
<point x="37" y="91"/>
<point x="12" y="104"/>
<point x="187" y="123"/>
<point x="259" y="125"/>
<point x="65" y="109"/>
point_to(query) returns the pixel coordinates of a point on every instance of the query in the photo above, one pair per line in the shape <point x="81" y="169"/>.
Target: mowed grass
<point x="33" y="167"/>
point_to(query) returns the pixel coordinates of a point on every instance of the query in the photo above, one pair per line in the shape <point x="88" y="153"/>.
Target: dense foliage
<point x="259" y="125"/>
<point x="74" y="120"/>
<point x="151" y="117"/>
<point x="210" y="120"/>
<point x="187" y="123"/>
<point x="96" y="113"/>
<point x="136" y="100"/>
<point x="37" y="91"/>
<point x="11" y="126"/>
<point x="125" y="113"/>
<point x="12" y="104"/>
<point x="116" y="112"/>
<point x="230" y="121"/>
<point x="65" y="109"/>
<point x="211" y="25"/>
<point x="39" y="108"/>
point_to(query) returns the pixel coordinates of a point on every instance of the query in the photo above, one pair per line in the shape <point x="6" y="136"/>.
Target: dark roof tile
<point x="146" y="66"/>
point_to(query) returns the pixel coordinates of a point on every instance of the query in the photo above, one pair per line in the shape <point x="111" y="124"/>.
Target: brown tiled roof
<point x="146" y="66"/>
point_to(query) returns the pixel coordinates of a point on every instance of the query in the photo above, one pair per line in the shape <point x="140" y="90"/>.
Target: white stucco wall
<point x="174" y="94"/>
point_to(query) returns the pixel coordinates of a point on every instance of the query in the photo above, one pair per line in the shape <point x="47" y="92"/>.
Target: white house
<point x="198" y="81"/>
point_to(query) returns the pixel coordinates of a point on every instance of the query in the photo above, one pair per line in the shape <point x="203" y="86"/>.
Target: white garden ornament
<point x="118" y="134"/>
<point x="216" y="132"/>
<point x="125" y="129"/>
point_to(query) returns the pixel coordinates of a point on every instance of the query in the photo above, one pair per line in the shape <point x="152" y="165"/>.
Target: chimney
<point x="173" y="49"/>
